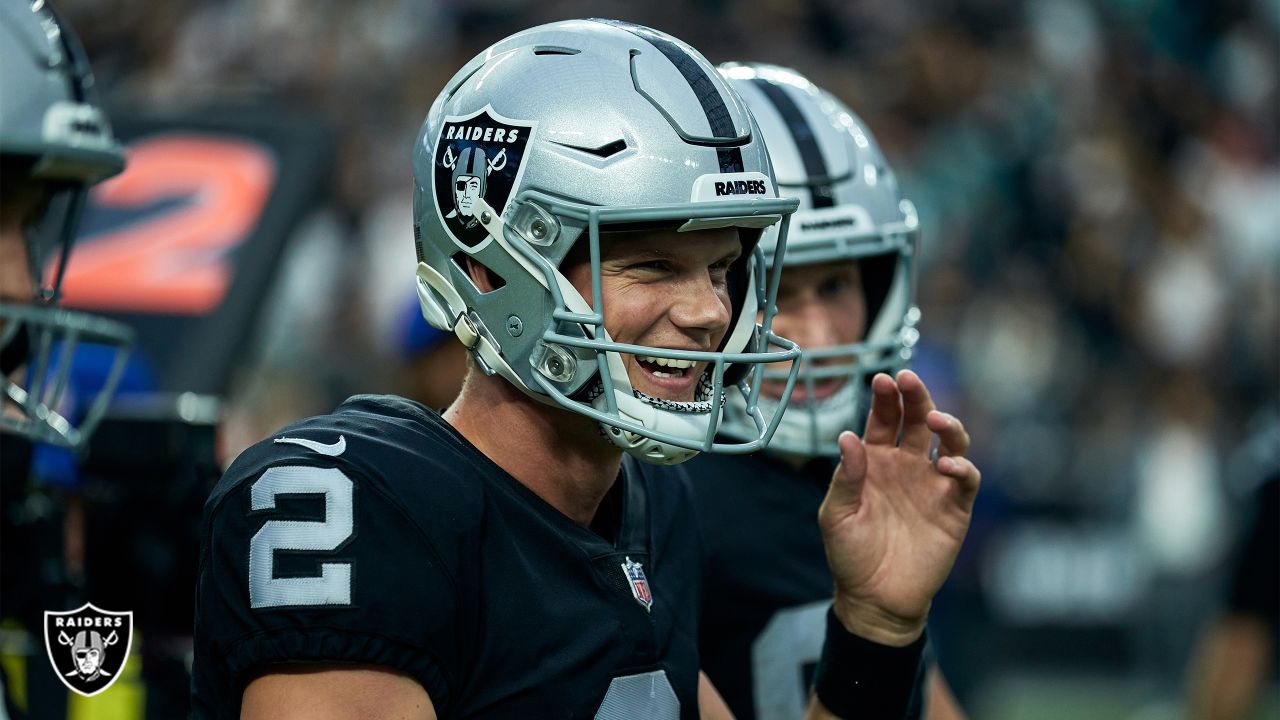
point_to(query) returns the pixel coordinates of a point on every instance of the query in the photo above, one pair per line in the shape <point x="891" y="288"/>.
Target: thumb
<point x="845" y="493"/>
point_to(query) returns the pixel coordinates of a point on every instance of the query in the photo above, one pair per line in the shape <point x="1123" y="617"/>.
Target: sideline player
<point x="511" y="558"/>
<point x="847" y="298"/>
<point x="54" y="144"/>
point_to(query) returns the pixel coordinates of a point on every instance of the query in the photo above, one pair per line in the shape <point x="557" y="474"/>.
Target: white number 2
<point x="333" y="585"/>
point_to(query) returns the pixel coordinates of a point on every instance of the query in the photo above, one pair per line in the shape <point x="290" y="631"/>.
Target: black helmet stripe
<point x="815" y="166"/>
<point x="713" y="105"/>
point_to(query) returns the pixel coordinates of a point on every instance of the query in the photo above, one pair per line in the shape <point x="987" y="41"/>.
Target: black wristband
<point x="858" y="678"/>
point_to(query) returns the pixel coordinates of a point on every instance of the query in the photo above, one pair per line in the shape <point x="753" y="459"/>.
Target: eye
<point x="833" y="287"/>
<point x="651" y="266"/>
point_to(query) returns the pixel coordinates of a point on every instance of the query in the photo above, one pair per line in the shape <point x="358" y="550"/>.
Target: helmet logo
<point x="478" y="156"/>
<point x="88" y="646"/>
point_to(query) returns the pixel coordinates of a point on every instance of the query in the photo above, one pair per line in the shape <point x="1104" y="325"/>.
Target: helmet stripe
<point x="815" y="166"/>
<point x="703" y="87"/>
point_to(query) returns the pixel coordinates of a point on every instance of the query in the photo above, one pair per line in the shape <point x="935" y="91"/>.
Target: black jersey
<point x="378" y="535"/>
<point x="766" y="584"/>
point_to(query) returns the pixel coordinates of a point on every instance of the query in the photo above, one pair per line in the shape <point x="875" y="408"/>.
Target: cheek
<point x="852" y="321"/>
<point x="631" y="309"/>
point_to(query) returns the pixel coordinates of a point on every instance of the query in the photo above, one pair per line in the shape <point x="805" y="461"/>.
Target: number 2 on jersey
<point x="792" y="639"/>
<point x="333" y="585"/>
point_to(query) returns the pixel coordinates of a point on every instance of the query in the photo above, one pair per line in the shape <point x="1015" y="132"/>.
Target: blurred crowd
<point x="1099" y="188"/>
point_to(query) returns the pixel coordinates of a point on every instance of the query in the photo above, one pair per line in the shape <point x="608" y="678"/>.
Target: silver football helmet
<point x="850" y="209"/>
<point x="553" y="136"/>
<point x="54" y="144"/>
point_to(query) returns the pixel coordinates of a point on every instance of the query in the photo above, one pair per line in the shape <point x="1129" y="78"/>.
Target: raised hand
<point x="894" y="518"/>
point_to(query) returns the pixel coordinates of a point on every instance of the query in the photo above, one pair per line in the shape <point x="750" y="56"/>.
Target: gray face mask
<point x="37" y="394"/>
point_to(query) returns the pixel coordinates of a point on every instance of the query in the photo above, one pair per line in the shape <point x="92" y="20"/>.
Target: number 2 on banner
<point x="176" y="260"/>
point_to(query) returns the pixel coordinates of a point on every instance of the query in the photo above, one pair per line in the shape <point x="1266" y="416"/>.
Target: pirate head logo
<point x="479" y="157"/>
<point x="88" y="647"/>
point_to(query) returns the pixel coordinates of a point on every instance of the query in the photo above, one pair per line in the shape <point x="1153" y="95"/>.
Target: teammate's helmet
<point x="850" y="209"/>
<point x="54" y="143"/>
<point x="586" y="126"/>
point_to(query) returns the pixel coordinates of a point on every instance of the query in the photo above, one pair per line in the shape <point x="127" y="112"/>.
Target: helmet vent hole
<point x="555" y="50"/>
<point x="478" y="274"/>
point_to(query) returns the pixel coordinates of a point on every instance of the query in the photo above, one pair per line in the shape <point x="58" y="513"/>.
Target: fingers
<point x="962" y="470"/>
<point x="886" y="411"/>
<point x="953" y="439"/>
<point x="845" y="493"/>
<point x="916" y="406"/>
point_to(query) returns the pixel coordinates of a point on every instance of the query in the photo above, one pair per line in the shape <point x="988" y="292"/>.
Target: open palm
<point x="894" y="519"/>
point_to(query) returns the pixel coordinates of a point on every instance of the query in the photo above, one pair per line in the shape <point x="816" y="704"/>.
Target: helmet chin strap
<point x="701" y="405"/>
<point x="687" y="415"/>
<point x="811" y="429"/>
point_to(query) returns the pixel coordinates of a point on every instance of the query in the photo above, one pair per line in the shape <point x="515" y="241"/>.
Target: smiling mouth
<point x="669" y="379"/>
<point x="664" y="367"/>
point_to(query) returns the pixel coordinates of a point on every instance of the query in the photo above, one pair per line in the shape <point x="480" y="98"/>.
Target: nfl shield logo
<point x="638" y="582"/>
<point x="88" y="646"/>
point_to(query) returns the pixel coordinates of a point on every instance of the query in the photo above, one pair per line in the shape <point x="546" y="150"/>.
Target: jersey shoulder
<point x="340" y="538"/>
<point x="396" y="447"/>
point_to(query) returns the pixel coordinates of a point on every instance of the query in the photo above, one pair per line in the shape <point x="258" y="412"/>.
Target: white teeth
<point x="659" y="373"/>
<point x="667" y="362"/>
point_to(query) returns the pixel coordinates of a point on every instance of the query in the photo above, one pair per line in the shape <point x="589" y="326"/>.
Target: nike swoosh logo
<point x="332" y="450"/>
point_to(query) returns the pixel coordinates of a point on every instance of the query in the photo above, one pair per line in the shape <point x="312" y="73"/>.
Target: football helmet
<point x="553" y="136"/>
<point x="850" y="209"/>
<point x="54" y="144"/>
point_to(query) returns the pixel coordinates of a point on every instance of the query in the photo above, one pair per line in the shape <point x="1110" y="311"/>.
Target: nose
<point x="808" y="324"/>
<point x="701" y="306"/>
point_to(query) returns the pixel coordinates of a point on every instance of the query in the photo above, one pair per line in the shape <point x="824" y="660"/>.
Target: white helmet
<point x="580" y="127"/>
<point x="850" y="209"/>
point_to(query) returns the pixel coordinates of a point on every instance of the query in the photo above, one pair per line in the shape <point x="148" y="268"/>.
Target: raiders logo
<point x="88" y="646"/>
<point x="477" y="156"/>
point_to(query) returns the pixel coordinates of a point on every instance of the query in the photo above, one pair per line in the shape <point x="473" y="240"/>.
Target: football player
<point x="532" y="552"/>
<point x="847" y="297"/>
<point x="55" y="143"/>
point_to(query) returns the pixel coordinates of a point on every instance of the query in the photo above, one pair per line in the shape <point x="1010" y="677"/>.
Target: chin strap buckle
<point x="466" y="331"/>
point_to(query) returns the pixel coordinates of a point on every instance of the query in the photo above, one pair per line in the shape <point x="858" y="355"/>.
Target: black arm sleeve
<point x="859" y="678"/>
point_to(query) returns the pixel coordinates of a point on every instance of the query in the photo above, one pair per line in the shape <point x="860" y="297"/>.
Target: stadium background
<point x="1099" y="189"/>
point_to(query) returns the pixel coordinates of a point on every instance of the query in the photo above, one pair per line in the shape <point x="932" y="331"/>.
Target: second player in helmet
<point x="847" y="298"/>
